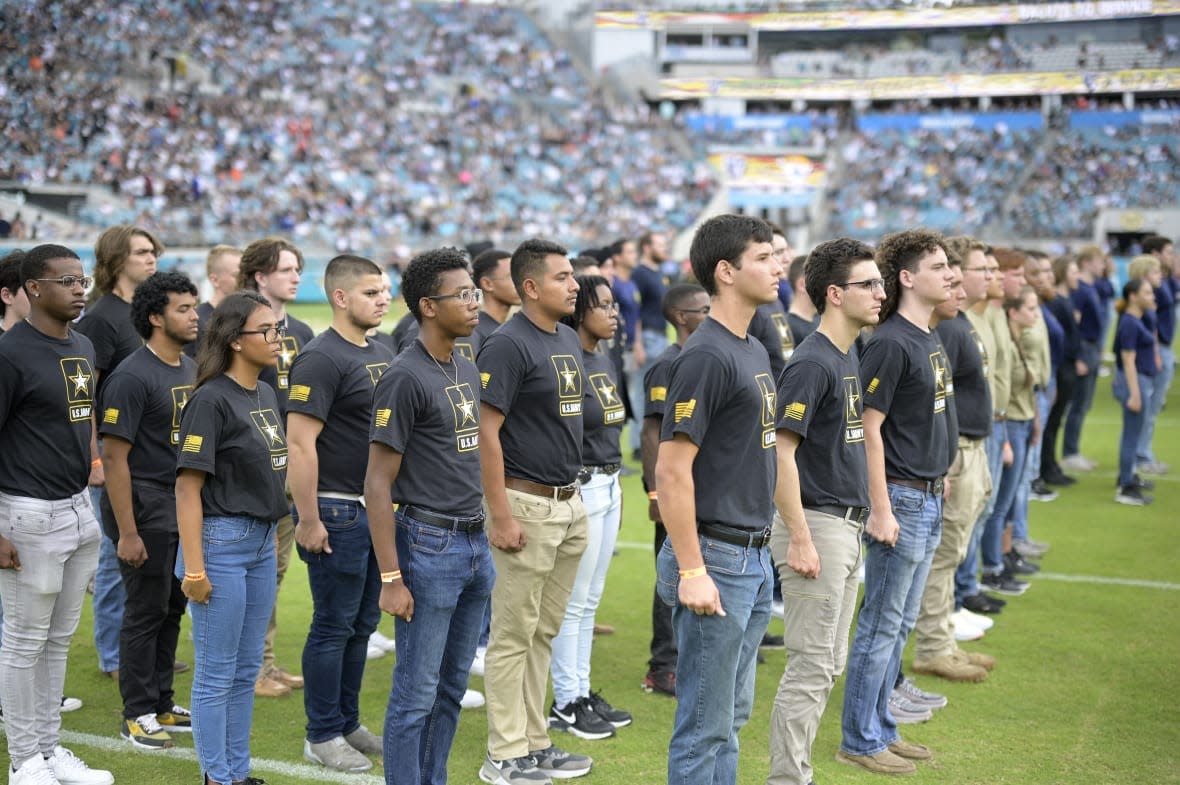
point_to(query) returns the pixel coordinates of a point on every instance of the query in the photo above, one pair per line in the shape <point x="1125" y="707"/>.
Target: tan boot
<point x="884" y="762"/>
<point x="266" y="687"/>
<point x="950" y="668"/>
<point x="289" y="679"/>
<point x="904" y="749"/>
<point x="985" y="661"/>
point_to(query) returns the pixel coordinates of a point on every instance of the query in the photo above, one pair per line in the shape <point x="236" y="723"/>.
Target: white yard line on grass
<point x="258" y="765"/>
<point x="1049" y="576"/>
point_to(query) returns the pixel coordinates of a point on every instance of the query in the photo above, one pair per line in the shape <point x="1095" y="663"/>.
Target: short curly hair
<point x="151" y="298"/>
<point x="902" y="251"/>
<point x="829" y="264"/>
<point x="423" y="275"/>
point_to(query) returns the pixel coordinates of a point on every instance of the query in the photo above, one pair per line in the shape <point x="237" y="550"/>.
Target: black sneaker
<point x="1133" y="495"/>
<point x="616" y="717"/>
<point x="1004" y="584"/>
<point x="1142" y="484"/>
<point x="561" y="765"/>
<point x="773" y="641"/>
<point x="1039" y="491"/>
<point x="999" y="602"/>
<point x="979" y="603"/>
<point x="1058" y="477"/>
<point x="663" y="682"/>
<point x="577" y="718"/>
<point x="1018" y="566"/>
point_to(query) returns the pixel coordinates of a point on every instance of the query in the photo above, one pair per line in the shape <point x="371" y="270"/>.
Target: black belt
<point x="932" y="487"/>
<point x="851" y="514"/>
<point x="744" y="537"/>
<point x="602" y="468"/>
<point x="470" y="523"/>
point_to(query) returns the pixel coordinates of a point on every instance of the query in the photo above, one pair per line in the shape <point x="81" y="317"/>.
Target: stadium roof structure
<point x="884" y="19"/>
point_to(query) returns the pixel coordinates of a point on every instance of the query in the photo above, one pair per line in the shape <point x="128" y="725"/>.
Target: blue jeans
<point x="715" y="669"/>
<point x="450" y="575"/>
<point x="228" y="632"/>
<point x="1011" y="477"/>
<point x="1133" y="422"/>
<point x="1032" y="469"/>
<point x="1083" y="398"/>
<point x="345" y="587"/>
<point x="570" y="667"/>
<point x="967" y="575"/>
<point x="109" y="598"/>
<point x="1154" y="404"/>
<point x="895" y="578"/>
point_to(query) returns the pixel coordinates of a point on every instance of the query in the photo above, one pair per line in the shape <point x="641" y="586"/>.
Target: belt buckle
<point x="936" y="486"/>
<point x="567" y="491"/>
<point x="861" y="516"/>
<point x="584" y="475"/>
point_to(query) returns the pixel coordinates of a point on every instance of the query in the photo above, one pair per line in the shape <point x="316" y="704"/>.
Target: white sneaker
<point x="964" y="629"/>
<point x="977" y="619"/>
<point x="71" y="770"/>
<point x="377" y="639"/>
<point x="777" y="609"/>
<point x="34" y="771"/>
<point x="70" y="704"/>
<point x="1078" y="463"/>
<point x="472" y="699"/>
<point x="477" y="664"/>
<point x="374" y="652"/>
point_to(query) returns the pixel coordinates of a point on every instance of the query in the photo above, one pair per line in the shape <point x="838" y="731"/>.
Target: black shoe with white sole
<point x="579" y="719"/>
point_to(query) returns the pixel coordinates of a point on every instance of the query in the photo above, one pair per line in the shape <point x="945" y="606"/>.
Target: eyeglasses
<point x="70" y="281"/>
<point x="465" y="296"/>
<point x="703" y="311"/>
<point x="270" y="334"/>
<point x="867" y="284"/>
<point x="611" y="307"/>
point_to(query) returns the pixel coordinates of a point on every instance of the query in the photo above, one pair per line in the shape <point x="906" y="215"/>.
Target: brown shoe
<point x="884" y="762"/>
<point x="950" y="668"/>
<point x="112" y="675"/>
<point x="266" y="687"/>
<point x="603" y="629"/>
<point x="289" y="679"/>
<point x="904" y="749"/>
<point x="985" y="661"/>
<point x="179" y="667"/>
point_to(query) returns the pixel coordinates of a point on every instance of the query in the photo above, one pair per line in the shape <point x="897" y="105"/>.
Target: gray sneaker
<point x="365" y="742"/>
<point x="561" y="765"/>
<point x="336" y="754"/>
<point x="512" y="771"/>
<point x="912" y="693"/>
<point x="906" y="713"/>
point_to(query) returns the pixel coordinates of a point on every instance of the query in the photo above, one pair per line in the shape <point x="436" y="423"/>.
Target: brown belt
<point x="558" y="493"/>
<point x="931" y="487"/>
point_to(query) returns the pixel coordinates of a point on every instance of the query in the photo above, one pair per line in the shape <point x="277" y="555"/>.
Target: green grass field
<point x="1085" y="691"/>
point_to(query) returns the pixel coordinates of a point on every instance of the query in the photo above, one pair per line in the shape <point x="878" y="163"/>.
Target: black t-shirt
<point x="655" y="382"/>
<point x="650" y="285"/>
<point x="332" y="380"/>
<point x="722" y="396"/>
<point x="820" y="399"/>
<point x="141" y="404"/>
<point x="430" y="414"/>
<point x="535" y="379"/>
<point x="236" y="437"/>
<point x="204" y="311"/>
<point x="1062" y="308"/>
<point x="298" y="336"/>
<point x="108" y="325"/>
<point x="386" y="340"/>
<point x="487" y="325"/>
<point x="407" y="329"/>
<point x="952" y="406"/>
<point x="800" y="327"/>
<point x="603" y="414"/>
<point x="903" y="374"/>
<point x="973" y="397"/>
<point x="46" y="398"/>
<point x="769" y="326"/>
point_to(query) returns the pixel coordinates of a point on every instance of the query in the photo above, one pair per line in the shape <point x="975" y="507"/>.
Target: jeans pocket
<point x="723" y="557"/>
<point x="906" y="501"/>
<point x="339" y="515"/>
<point x="428" y="539"/>
<point x="532" y="508"/>
<point x="29" y="522"/>
<point x="225" y="531"/>
<point x="667" y="576"/>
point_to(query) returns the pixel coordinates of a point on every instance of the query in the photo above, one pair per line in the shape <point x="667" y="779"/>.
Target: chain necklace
<point x="455" y="381"/>
<point x="257" y="396"/>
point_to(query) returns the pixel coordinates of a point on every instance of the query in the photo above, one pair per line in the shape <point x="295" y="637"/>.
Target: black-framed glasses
<point x="270" y="334"/>
<point x="704" y="310"/>
<point x="867" y="284"/>
<point x="465" y="296"/>
<point x="70" y="281"/>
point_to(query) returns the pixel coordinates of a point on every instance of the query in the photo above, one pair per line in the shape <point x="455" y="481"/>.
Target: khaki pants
<point x="971" y="486"/>
<point x="285" y="541"/>
<point x="528" y="606"/>
<point x="818" y="614"/>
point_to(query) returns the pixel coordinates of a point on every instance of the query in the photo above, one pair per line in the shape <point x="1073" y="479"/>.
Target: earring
<point x="36" y="294"/>
<point x="237" y="347"/>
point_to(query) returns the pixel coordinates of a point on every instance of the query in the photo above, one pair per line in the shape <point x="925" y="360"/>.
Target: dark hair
<point x="486" y="263"/>
<point x="528" y="260"/>
<point x="346" y="268"/>
<point x="829" y="264"/>
<point x="151" y="298"/>
<point x="901" y="251"/>
<point x="423" y="275"/>
<point x="1129" y="288"/>
<point x="1017" y="301"/>
<point x="225" y="326"/>
<point x="724" y="237"/>
<point x="262" y="256"/>
<point x="583" y="263"/>
<point x="111" y="252"/>
<point x="1155" y="244"/>
<point x="616" y="248"/>
<point x="677" y="296"/>
<point x="36" y="261"/>
<point x="776" y="229"/>
<point x="587" y="299"/>
<point x="10" y="275"/>
<point x="797" y="269"/>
